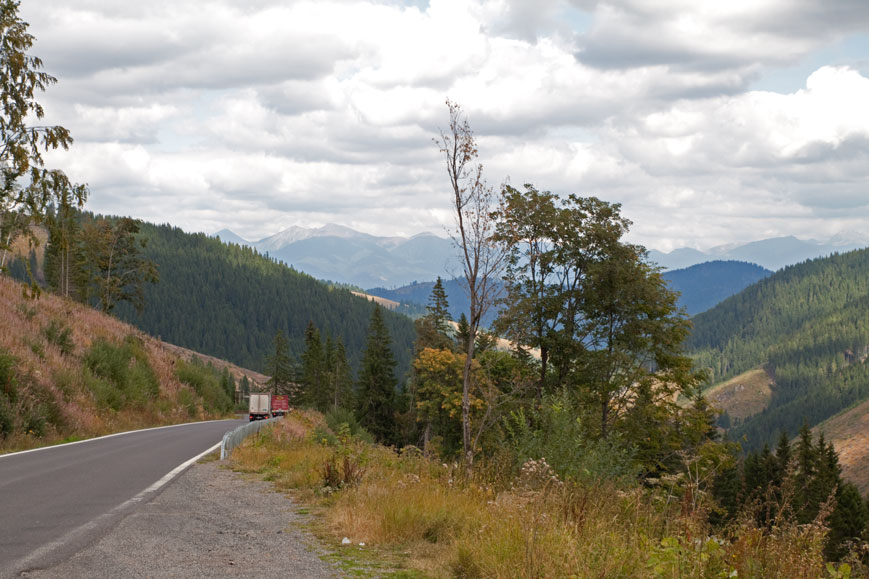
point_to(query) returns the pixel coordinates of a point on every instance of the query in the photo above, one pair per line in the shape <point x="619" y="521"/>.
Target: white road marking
<point x="110" y="436"/>
<point x="26" y="562"/>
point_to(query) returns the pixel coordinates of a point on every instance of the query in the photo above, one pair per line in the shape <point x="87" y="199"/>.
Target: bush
<point x="124" y="369"/>
<point x="60" y="335"/>
<point x="554" y="432"/>
<point x="206" y="381"/>
<point x="342" y="417"/>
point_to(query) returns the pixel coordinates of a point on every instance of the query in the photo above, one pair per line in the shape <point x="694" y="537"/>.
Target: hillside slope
<point x="808" y="326"/>
<point x="68" y="372"/>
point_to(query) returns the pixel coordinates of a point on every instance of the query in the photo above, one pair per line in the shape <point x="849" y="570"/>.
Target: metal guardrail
<point x="235" y="437"/>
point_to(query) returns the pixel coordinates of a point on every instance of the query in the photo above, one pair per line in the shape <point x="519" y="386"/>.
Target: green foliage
<point x="433" y="329"/>
<point x="605" y="323"/>
<point x="801" y="485"/>
<point x="554" y="431"/>
<point x="25" y="407"/>
<point x="314" y="370"/>
<point x="60" y="335"/>
<point x="123" y="374"/>
<point x="111" y="267"/>
<point x="281" y="370"/>
<point x="206" y="381"/>
<point x="26" y="186"/>
<point x="673" y="557"/>
<point x="342" y="419"/>
<point x="8" y="393"/>
<point x="376" y="404"/>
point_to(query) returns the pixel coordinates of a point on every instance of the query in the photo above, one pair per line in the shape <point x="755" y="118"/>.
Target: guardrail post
<point x="235" y="437"/>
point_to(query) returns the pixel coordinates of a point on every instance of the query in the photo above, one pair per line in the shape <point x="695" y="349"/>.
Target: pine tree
<point x="375" y="406"/>
<point x="280" y="369"/>
<point x="433" y="330"/>
<point x="227" y="383"/>
<point x="316" y="393"/>
<point x="340" y="378"/>
<point x="847" y="522"/>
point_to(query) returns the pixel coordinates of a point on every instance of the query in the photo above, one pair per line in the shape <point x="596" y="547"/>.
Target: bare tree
<point x="482" y="258"/>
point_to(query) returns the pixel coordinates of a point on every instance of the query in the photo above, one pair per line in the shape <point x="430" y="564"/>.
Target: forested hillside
<point x="808" y="325"/>
<point x="228" y="301"/>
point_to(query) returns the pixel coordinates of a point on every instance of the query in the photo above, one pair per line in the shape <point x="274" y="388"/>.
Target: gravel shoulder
<point x="209" y="522"/>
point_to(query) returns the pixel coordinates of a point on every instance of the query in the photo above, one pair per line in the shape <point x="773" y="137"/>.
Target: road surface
<point x="57" y="500"/>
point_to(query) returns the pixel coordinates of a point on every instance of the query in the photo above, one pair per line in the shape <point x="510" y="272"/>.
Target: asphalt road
<point x="56" y="501"/>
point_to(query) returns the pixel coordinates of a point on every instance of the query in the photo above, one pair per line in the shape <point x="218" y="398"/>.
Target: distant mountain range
<point x="340" y="254"/>
<point x="344" y="255"/>
<point x="772" y="254"/>
<point x="700" y="287"/>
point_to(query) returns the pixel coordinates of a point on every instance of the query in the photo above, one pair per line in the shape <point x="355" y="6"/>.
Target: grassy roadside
<point x="406" y="516"/>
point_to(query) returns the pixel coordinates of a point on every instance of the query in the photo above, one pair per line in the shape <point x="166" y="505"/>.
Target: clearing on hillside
<point x="743" y="395"/>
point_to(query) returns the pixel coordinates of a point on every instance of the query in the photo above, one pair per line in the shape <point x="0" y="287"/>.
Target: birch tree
<point x="481" y="256"/>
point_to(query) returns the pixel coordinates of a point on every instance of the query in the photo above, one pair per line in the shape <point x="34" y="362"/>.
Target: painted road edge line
<point x="20" y="452"/>
<point x="24" y="563"/>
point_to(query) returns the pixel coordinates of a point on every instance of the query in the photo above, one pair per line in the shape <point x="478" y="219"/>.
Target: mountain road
<point x="55" y="501"/>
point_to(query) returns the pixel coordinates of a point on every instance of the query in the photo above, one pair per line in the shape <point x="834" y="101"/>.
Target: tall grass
<point x="492" y="523"/>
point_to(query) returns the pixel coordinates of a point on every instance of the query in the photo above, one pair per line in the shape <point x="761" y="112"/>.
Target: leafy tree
<point x="601" y="316"/>
<point x="27" y="186"/>
<point x="526" y="227"/>
<point x="376" y="404"/>
<point x="112" y="268"/>
<point x="279" y="367"/>
<point x="62" y="251"/>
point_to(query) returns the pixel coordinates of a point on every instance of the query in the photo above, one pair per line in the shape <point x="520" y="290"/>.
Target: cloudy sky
<point x="710" y="121"/>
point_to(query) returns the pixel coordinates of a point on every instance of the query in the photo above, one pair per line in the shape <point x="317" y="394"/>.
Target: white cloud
<point x="270" y="113"/>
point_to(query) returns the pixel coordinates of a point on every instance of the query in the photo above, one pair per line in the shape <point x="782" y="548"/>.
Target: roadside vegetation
<point x="68" y="372"/>
<point x="406" y="515"/>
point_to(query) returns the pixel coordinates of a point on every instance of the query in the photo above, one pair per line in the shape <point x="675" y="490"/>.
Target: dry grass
<point x="743" y="395"/>
<point x="50" y="378"/>
<point x="443" y="524"/>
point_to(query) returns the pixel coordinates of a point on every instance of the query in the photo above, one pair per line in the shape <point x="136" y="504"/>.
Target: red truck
<point x="280" y="404"/>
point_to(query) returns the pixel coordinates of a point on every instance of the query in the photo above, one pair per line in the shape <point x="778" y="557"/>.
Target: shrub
<point x="554" y="432"/>
<point x="60" y="335"/>
<point x="341" y="416"/>
<point x="124" y="368"/>
<point x="206" y="382"/>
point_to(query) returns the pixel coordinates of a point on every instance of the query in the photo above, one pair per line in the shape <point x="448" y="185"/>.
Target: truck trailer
<point x="260" y="407"/>
<point x="280" y="404"/>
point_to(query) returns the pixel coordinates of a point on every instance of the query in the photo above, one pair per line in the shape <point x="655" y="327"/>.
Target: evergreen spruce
<point x="280" y="369"/>
<point x="375" y="406"/>
<point x="316" y="392"/>
<point x="433" y="329"/>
